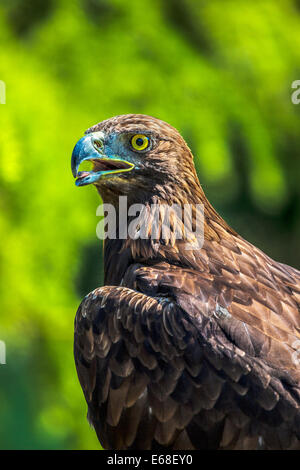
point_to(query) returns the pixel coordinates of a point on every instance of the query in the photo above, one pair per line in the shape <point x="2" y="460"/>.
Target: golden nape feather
<point x="182" y="348"/>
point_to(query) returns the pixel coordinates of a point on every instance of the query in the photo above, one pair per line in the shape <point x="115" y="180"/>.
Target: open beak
<point x="91" y="148"/>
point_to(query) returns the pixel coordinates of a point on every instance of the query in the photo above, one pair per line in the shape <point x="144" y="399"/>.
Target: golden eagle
<point x="183" y="348"/>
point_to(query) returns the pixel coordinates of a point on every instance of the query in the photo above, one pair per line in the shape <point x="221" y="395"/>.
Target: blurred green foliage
<point x="220" y="72"/>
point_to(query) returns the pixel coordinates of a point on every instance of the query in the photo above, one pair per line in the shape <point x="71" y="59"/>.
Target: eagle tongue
<point x="83" y="174"/>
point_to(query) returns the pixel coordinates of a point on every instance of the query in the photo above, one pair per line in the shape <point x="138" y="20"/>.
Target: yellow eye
<point x="139" y="142"/>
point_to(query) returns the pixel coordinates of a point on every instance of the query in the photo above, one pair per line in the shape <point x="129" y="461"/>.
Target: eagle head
<point x="134" y="153"/>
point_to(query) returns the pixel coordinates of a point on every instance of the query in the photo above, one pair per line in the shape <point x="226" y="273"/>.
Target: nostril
<point x="98" y="144"/>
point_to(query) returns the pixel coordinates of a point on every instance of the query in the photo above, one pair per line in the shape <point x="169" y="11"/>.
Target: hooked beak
<point x="91" y="148"/>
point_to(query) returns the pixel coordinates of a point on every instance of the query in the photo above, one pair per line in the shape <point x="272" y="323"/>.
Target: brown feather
<point x="187" y="349"/>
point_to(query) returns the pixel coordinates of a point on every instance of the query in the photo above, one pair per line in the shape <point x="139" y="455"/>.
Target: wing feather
<point x="193" y="358"/>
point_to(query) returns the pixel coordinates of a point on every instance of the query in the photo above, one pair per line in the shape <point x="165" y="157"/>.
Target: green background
<point x="220" y="71"/>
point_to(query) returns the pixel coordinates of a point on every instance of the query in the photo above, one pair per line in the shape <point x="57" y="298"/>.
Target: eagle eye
<point x="140" y="142"/>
